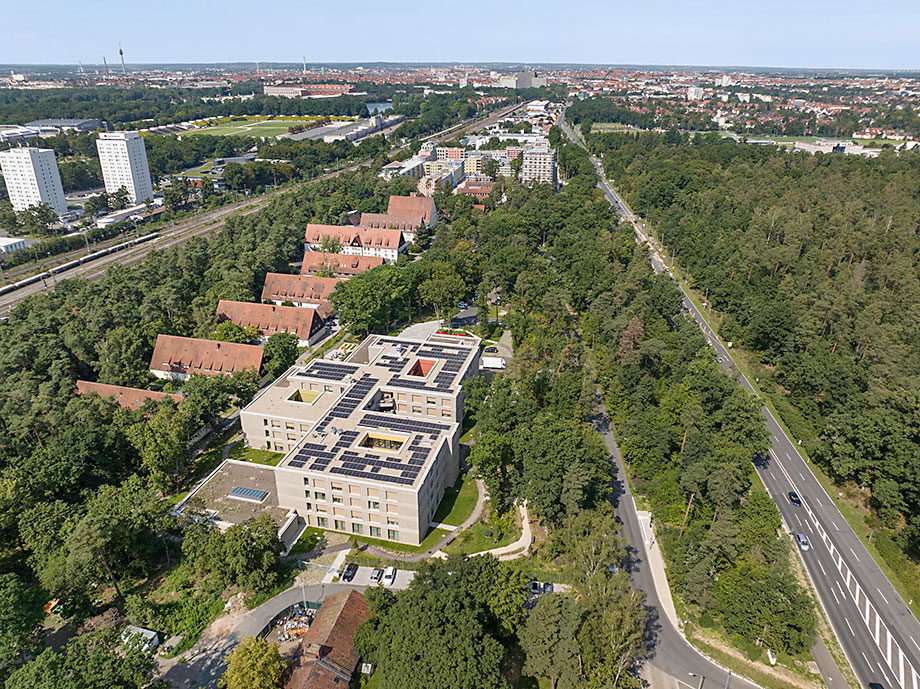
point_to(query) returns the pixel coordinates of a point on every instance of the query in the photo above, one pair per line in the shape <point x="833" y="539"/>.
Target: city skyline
<point x="821" y="35"/>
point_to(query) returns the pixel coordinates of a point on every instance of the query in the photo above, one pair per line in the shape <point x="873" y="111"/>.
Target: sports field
<point x="252" y="127"/>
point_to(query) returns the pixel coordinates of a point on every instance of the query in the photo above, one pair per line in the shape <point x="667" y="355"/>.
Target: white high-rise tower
<point x="32" y="177"/>
<point x="124" y="164"/>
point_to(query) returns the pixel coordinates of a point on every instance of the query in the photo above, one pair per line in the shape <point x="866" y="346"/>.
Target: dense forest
<point x="814" y="261"/>
<point x="125" y="107"/>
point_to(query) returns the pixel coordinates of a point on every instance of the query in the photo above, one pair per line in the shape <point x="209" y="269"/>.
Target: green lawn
<point x="458" y="502"/>
<point x="495" y="533"/>
<point x="430" y="540"/>
<point x="249" y="454"/>
<point x="252" y="127"/>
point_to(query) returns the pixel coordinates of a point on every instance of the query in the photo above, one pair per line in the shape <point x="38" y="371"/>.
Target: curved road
<point x="878" y="632"/>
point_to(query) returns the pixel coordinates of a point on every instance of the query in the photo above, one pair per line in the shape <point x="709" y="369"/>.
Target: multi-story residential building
<point x="477" y="188"/>
<point x="539" y="166"/>
<point x="307" y="324"/>
<point x="372" y="442"/>
<point x="358" y="241"/>
<point x="32" y="178"/>
<point x="304" y="291"/>
<point x="406" y="213"/>
<point x="124" y="164"/>
<point x="337" y="265"/>
<point x="176" y="358"/>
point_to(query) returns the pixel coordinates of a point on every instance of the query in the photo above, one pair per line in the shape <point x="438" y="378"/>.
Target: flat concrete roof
<point x="215" y="494"/>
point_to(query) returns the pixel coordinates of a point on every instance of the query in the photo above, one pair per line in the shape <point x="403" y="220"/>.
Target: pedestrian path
<point x="335" y="567"/>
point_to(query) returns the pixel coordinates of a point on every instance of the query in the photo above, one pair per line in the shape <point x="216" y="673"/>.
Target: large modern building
<point x="56" y="126"/>
<point x="371" y="443"/>
<point x="124" y="164"/>
<point x="32" y="178"/>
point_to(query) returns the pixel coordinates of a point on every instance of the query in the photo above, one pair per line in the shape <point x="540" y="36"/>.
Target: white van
<point x="389" y="576"/>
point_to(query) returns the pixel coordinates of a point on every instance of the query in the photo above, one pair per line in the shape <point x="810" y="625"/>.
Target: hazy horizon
<point x="822" y="35"/>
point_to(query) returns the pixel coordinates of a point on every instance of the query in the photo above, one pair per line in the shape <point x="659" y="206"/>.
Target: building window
<point x="373" y="505"/>
<point x="306" y="494"/>
<point x="336" y="486"/>
<point x="357" y="528"/>
<point x="393" y="534"/>
<point x="337" y="500"/>
<point x="375" y="531"/>
<point x="392" y="522"/>
<point x="339" y="525"/>
<point x="320" y="496"/>
<point x="322" y="521"/>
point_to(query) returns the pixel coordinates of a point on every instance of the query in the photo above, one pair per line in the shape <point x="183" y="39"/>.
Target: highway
<point x="877" y="631"/>
<point x="205" y="223"/>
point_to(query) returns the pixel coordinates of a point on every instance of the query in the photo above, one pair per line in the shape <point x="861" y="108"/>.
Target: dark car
<point x="350" y="571"/>
<point x="876" y="685"/>
<point x="794" y="498"/>
<point x="491" y="350"/>
<point x="376" y="575"/>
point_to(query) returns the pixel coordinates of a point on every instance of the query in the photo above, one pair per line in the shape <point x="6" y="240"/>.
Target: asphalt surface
<point x="878" y="632"/>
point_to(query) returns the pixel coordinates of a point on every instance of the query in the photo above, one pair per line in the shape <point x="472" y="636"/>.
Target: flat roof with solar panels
<point x="380" y="415"/>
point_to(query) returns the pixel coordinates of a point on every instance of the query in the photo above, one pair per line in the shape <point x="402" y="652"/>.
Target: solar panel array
<point x="391" y="469"/>
<point x="328" y="371"/>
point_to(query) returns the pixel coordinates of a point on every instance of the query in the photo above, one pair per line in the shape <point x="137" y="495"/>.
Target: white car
<point x="389" y="576"/>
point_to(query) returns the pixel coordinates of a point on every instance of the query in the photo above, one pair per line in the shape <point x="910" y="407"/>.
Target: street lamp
<point x="693" y="674"/>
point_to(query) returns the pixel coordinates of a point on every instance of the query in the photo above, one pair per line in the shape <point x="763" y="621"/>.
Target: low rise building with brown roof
<point x="176" y="358"/>
<point x="327" y="658"/>
<point x="304" y="291"/>
<point x="338" y="265"/>
<point x="129" y="398"/>
<point x="408" y="224"/>
<point x="268" y="319"/>
<point x="478" y="189"/>
<point x="421" y="207"/>
<point x="358" y="241"/>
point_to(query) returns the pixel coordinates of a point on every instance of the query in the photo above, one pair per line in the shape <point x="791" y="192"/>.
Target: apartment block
<point x="539" y="165"/>
<point x="372" y="442"/>
<point x="358" y="241"/>
<point x="123" y="158"/>
<point x="32" y="178"/>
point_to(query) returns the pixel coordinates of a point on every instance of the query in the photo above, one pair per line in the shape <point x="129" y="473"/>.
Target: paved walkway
<point x="521" y="546"/>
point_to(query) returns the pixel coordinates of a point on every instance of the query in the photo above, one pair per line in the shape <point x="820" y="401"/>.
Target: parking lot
<point x="363" y="578"/>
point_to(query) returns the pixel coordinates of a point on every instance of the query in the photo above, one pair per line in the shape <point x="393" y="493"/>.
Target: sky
<point x="804" y="33"/>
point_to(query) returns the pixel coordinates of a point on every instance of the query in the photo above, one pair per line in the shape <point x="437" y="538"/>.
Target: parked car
<point x="491" y="349"/>
<point x="547" y="587"/>
<point x="876" y="685"/>
<point x="535" y="588"/>
<point x="376" y="575"/>
<point x="350" y="570"/>
<point x="389" y="576"/>
<point x="794" y="498"/>
<point x="803" y="542"/>
<point x="462" y="306"/>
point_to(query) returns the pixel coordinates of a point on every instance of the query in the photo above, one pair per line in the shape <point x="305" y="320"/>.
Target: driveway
<point x="421" y="331"/>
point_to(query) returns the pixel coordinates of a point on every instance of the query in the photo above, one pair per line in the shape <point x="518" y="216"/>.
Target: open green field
<point x="252" y="127"/>
<point x="612" y="127"/>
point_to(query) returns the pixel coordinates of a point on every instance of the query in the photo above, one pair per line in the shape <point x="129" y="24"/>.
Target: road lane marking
<point x="804" y="480"/>
<point x="837" y="600"/>
<point x="882" y="595"/>
<point x="850" y="628"/>
<point x="822" y="570"/>
<point x="798" y="520"/>
<point x="866" y="659"/>
<point x="878" y="621"/>
<point x="915" y="643"/>
<point x="818" y="500"/>
<point x="854" y="554"/>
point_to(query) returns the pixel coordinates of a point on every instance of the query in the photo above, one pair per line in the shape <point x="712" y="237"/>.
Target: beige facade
<point x="371" y="442"/>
